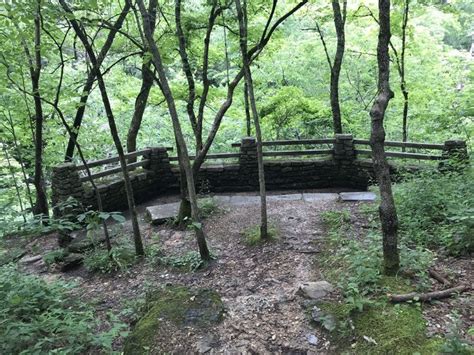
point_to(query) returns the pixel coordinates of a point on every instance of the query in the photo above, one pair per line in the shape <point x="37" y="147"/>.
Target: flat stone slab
<point x="358" y="196"/>
<point x="289" y="197"/>
<point x="323" y="196"/>
<point x="244" y="200"/>
<point x="222" y="200"/>
<point x="161" y="213"/>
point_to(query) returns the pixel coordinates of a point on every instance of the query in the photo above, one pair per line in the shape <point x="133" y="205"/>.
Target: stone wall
<point x="342" y="169"/>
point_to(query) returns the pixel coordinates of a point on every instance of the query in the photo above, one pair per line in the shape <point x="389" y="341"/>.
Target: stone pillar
<point x="65" y="183"/>
<point x="344" y="152"/>
<point x="248" y="162"/>
<point x="159" y="161"/>
<point x="455" y="156"/>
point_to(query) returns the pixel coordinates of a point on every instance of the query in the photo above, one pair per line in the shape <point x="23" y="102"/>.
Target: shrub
<point x="119" y="258"/>
<point x="437" y="211"/>
<point x="39" y="317"/>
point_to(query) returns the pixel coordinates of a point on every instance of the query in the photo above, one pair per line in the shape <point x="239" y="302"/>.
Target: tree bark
<point x="147" y="84"/>
<point x="339" y="23"/>
<point x="113" y="130"/>
<point x="41" y="204"/>
<point x="429" y="296"/>
<point x="91" y="79"/>
<point x="248" y="118"/>
<point x="387" y="210"/>
<point x="183" y="156"/>
<point x="242" y="17"/>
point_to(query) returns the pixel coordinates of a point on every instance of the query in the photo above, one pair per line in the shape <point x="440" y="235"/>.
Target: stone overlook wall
<point x="342" y="168"/>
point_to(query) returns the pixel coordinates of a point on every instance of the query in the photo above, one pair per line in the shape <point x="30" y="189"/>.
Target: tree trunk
<point x="405" y="115"/>
<point x="183" y="156"/>
<point x="387" y="210"/>
<point x="90" y="82"/>
<point x="113" y="130"/>
<point x="41" y="204"/>
<point x="248" y="118"/>
<point x="242" y="16"/>
<point x="142" y="98"/>
<point x="339" y="23"/>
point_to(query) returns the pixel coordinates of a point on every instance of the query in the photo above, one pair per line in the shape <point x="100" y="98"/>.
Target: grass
<point x="252" y="235"/>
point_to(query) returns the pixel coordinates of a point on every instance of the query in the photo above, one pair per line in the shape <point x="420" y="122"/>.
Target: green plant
<point x="39" y="317"/>
<point x="191" y="261"/>
<point x="252" y="235"/>
<point x="54" y="256"/>
<point x="437" y="211"/>
<point x="207" y="207"/>
<point x="454" y="344"/>
<point x="103" y="261"/>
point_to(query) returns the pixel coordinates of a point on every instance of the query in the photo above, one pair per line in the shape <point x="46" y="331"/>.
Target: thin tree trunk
<point x="113" y="130"/>
<point x="339" y="23"/>
<point x="91" y="79"/>
<point x="242" y="17"/>
<point x="387" y="210"/>
<point x="41" y="204"/>
<point x="248" y="118"/>
<point x="403" y="84"/>
<point x="183" y="150"/>
<point x="142" y="98"/>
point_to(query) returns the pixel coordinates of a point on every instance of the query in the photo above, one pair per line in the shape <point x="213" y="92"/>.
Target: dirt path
<point x="258" y="284"/>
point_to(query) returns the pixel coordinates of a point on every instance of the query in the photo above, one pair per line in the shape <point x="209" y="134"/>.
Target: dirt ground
<point x="258" y="284"/>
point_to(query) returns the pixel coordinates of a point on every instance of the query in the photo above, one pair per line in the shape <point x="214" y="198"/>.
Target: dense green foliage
<point x="40" y="317"/>
<point x="291" y="80"/>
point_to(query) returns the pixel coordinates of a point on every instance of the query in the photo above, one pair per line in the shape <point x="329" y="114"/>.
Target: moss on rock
<point x="178" y="305"/>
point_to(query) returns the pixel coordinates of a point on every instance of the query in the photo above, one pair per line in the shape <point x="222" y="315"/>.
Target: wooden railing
<point x="306" y="151"/>
<point x="101" y="162"/>
<point x="403" y="155"/>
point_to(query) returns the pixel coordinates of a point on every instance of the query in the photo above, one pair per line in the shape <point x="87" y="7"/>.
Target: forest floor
<point x="258" y="285"/>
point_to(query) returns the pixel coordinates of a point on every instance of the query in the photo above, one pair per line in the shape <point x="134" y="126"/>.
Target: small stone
<point x="31" y="259"/>
<point x="315" y="290"/>
<point x="312" y="339"/>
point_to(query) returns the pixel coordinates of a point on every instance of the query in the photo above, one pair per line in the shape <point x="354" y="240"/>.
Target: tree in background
<point x="387" y="210"/>
<point x="243" y="31"/>
<point x="335" y="65"/>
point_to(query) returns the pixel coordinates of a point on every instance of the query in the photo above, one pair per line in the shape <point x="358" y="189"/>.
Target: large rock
<point x="71" y="261"/>
<point x="315" y="290"/>
<point x="174" y="307"/>
<point x="162" y="213"/>
<point x="84" y="242"/>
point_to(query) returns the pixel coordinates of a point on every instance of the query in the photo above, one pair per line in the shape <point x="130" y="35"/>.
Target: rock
<point x="64" y="239"/>
<point x="85" y="242"/>
<point x="315" y="290"/>
<point x="206" y="344"/>
<point x="162" y="213"/>
<point x="315" y="197"/>
<point x="175" y="306"/>
<point x="31" y="259"/>
<point x="328" y="321"/>
<point x="312" y="339"/>
<point x="71" y="261"/>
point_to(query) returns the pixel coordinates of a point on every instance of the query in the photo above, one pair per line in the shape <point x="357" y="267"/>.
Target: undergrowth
<point x="252" y="235"/>
<point x="39" y="318"/>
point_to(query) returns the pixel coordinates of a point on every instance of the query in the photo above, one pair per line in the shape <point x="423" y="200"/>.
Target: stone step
<point x="357" y="196"/>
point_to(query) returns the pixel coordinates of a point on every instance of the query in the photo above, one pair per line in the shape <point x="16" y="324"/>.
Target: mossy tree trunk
<point x="387" y="210"/>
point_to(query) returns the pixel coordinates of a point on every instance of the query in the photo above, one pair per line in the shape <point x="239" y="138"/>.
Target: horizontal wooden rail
<point x="404" y="144"/>
<point x="108" y="172"/>
<point x="293" y="142"/>
<point x="403" y="155"/>
<point x="95" y="163"/>
<point x="298" y="152"/>
<point x="212" y="156"/>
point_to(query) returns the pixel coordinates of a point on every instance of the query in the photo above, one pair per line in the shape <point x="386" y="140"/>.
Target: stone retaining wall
<point x="341" y="169"/>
